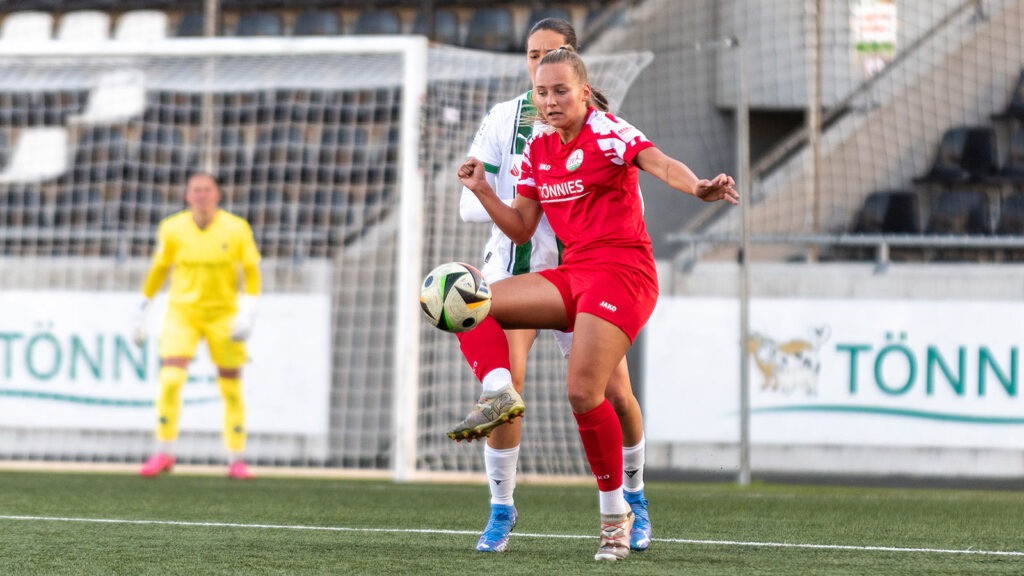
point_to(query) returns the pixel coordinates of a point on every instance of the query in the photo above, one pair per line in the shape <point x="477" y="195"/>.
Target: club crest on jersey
<point x="575" y="160"/>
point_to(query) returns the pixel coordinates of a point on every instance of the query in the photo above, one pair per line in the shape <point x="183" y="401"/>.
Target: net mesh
<point x="306" y="148"/>
<point x="895" y="78"/>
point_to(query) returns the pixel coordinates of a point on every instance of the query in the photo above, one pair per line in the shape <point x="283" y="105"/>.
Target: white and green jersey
<point x="499" y="145"/>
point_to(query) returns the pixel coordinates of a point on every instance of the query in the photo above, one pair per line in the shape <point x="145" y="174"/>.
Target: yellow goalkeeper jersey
<point x="206" y="263"/>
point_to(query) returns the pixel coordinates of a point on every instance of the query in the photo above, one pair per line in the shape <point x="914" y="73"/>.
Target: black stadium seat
<point x="888" y="212"/>
<point x="446" y="26"/>
<point x="377" y="22"/>
<point x="191" y="24"/>
<point x="316" y="23"/>
<point x="1015" y="108"/>
<point x="492" y="29"/>
<point x="259" y="24"/>
<point x="965" y="154"/>
<point x="1012" y="171"/>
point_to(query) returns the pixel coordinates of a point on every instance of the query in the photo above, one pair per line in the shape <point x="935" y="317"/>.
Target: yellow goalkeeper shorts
<point x="184" y="326"/>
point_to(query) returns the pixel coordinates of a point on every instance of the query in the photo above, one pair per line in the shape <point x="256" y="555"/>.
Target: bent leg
<point x="620" y="393"/>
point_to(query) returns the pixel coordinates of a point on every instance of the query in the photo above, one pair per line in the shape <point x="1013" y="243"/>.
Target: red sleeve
<point x="526" y="186"/>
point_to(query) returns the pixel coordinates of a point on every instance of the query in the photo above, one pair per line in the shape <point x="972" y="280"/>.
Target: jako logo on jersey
<point x="575" y="160"/>
<point x="545" y="166"/>
<point x="561" y="190"/>
<point x="514" y="171"/>
<point x="608" y="306"/>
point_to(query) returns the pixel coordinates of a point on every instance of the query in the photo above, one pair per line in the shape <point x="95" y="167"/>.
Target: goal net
<point x="341" y="153"/>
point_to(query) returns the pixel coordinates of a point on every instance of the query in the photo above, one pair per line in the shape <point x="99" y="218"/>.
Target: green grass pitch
<point x="110" y="523"/>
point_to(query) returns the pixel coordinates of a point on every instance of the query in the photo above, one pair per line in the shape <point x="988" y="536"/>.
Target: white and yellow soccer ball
<point x="455" y="297"/>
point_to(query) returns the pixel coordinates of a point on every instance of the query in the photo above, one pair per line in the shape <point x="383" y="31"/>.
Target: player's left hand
<point x="721" y="187"/>
<point x="244" y="319"/>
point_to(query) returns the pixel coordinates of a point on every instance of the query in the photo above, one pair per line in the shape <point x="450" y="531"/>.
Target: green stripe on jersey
<point x="521" y="260"/>
<point x="491" y="168"/>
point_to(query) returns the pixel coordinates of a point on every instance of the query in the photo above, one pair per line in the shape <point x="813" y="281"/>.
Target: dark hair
<point x="566" y="55"/>
<point x="560" y="26"/>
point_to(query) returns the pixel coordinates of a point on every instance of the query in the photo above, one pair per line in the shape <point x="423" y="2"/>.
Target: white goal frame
<point x="413" y="51"/>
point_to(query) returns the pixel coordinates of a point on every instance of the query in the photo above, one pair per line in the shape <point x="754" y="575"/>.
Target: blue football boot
<point x="640" y="535"/>
<point x="495" y="537"/>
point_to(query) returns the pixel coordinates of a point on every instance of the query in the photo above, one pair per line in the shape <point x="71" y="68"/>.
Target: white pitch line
<point x="968" y="551"/>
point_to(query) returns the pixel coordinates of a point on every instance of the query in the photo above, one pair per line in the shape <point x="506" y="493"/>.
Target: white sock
<point x="633" y="467"/>
<point x="501" y="473"/>
<point x="613" y="502"/>
<point x="166" y="448"/>
<point x="234" y="457"/>
<point x="496" y="380"/>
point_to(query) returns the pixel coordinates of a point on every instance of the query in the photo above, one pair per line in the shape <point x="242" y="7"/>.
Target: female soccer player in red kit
<point x="582" y="174"/>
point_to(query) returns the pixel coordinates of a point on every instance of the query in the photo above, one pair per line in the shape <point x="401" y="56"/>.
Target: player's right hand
<point x="139" y="331"/>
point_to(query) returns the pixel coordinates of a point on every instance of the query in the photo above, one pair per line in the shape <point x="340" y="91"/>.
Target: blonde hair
<point x="566" y="54"/>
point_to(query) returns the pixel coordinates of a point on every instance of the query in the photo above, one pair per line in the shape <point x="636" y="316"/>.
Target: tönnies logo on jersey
<point x="561" y="190"/>
<point x="608" y="306"/>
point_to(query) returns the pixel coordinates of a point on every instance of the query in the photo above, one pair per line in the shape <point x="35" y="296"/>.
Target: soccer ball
<point x="455" y="297"/>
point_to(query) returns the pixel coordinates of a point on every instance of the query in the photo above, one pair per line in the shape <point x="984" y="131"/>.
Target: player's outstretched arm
<point x="679" y="176"/>
<point x="517" y="221"/>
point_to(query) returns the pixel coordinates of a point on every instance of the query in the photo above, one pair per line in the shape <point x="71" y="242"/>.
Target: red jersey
<point x="588" y="187"/>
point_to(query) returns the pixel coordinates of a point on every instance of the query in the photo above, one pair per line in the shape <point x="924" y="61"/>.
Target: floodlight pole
<point x="743" y="185"/>
<point x="211" y="10"/>
<point x="742" y="176"/>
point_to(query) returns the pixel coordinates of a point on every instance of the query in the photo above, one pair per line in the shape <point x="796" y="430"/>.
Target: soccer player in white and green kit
<point x="499" y="145"/>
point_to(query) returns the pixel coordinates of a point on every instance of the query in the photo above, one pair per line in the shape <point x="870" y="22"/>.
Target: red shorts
<point x="622" y="295"/>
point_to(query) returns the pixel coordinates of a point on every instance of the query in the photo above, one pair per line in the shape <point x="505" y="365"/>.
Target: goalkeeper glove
<point x="244" y="319"/>
<point x="139" y="331"/>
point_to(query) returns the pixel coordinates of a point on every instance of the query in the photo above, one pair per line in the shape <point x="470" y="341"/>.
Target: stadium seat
<point x="538" y="14"/>
<point x="39" y="154"/>
<point x="279" y="154"/>
<point x="601" y="18"/>
<point x="141" y="25"/>
<point x="316" y="23"/>
<point x="191" y="24"/>
<point x="259" y="24"/>
<point x="491" y="29"/>
<point x="377" y="22"/>
<point x="1011" y="215"/>
<point x="100" y="155"/>
<point x="1015" y="108"/>
<point x="1012" y="171"/>
<point x="885" y="212"/>
<point x="118" y="96"/>
<point x="960" y="211"/>
<point x="84" y="26"/>
<point x="965" y="154"/>
<point x="888" y="212"/>
<point x="446" y="26"/>
<point x="162" y="155"/>
<point x="27" y="26"/>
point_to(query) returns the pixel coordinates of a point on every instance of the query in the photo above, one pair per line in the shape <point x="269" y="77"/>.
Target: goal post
<point x="341" y="153"/>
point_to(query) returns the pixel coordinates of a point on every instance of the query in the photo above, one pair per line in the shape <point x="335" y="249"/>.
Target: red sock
<point x="602" y="442"/>
<point x="485" y="348"/>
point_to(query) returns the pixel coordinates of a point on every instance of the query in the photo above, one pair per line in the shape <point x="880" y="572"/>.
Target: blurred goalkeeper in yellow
<point x="204" y="250"/>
